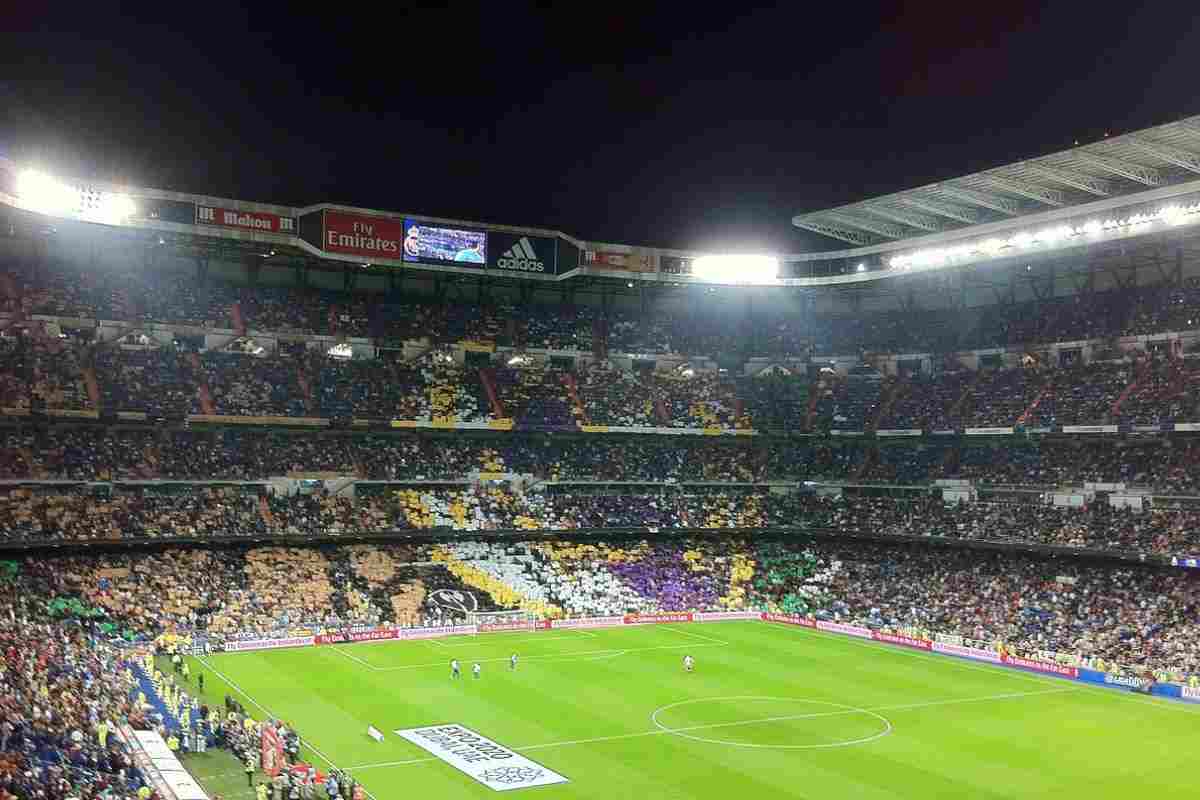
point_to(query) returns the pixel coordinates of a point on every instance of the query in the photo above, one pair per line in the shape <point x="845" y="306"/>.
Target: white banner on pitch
<point x="492" y="764"/>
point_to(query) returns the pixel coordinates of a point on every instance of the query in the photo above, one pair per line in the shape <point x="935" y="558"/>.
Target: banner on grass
<point x="1040" y="666"/>
<point x="367" y="635"/>
<point x="492" y="764"/>
<point x="651" y="619"/>
<point x="269" y="644"/>
<point x="436" y="632"/>
<point x="790" y="619"/>
<point x="588" y="622"/>
<point x="1135" y="682"/>
<point x="717" y="616"/>
<point x="900" y="639"/>
<point x="849" y="630"/>
<point x="497" y="627"/>
<point x="976" y="653"/>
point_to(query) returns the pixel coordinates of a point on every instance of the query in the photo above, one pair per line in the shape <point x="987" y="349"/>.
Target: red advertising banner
<point x="494" y="627"/>
<point x="905" y="641"/>
<point x="1041" y="666"/>
<point x="718" y="616"/>
<point x="790" y="619"/>
<point x="436" y="632"/>
<point x="849" y="630"/>
<point x="370" y="635"/>
<point x="588" y="622"/>
<point x="967" y="652"/>
<point x="244" y="220"/>
<point x="269" y="644"/>
<point x="651" y="619"/>
<point x="359" y="235"/>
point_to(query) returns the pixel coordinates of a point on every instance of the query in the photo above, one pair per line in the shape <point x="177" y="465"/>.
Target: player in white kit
<point x="475" y="668"/>
<point x="512" y="663"/>
<point x="454" y="671"/>
<point x="688" y="663"/>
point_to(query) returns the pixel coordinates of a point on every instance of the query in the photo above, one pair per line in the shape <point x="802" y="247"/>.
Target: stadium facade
<point x="1135" y="193"/>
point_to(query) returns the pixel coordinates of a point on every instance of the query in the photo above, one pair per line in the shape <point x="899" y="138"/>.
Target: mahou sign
<point x="245" y="220"/>
<point x="358" y="235"/>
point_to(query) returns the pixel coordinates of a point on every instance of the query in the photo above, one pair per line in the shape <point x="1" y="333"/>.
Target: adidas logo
<point x="521" y="257"/>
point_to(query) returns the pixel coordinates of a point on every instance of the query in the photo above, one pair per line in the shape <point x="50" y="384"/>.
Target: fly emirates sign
<point x="362" y="236"/>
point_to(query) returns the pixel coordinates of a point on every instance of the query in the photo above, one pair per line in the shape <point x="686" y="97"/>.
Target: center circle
<point x="718" y="720"/>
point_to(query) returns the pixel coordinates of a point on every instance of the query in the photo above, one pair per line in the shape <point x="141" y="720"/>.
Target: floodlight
<point x="862" y="267"/>
<point x="39" y="192"/>
<point x="736" y="268"/>
<point x="47" y="195"/>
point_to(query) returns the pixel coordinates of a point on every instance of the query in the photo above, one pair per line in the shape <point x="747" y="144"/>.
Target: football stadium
<point x="331" y="501"/>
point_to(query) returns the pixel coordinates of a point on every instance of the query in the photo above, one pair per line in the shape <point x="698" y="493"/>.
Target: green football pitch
<point x="771" y="711"/>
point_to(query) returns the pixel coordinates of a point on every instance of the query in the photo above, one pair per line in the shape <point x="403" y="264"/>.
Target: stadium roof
<point x="1115" y="166"/>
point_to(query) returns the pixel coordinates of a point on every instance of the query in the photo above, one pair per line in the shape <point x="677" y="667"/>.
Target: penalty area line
<point x="355" y="658"/>
<point x="699" y="636"/>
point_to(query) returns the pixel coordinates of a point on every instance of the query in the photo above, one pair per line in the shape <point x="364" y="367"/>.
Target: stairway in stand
<point x="489" y="386"/>
<point x="573" y="393"/>
<point x="203" y="393"/>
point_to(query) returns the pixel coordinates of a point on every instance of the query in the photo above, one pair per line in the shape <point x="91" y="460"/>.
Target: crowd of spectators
<point x="46" y="512"/>
<point x="170" y="382"/>
<point x="1119" y="615"/>
<point x="35" y="513"/>
<point x="242" y="385"/>
<point x="65" y="691"/>
<point x="136" y="295"/>
<point x="96" y="453"/>
<point x="156" y="382"/>
<point x="617" y="398"/>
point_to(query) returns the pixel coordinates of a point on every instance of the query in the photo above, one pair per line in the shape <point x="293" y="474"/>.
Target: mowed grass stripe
<point x="1063" y="745"/>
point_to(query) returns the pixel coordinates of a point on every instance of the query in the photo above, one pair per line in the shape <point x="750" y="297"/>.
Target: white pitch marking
<point x="996" y="669"/>
<point x="353" y="658"/>
<point x="664" y="731"/>
<point x="614" y="654"/>
<point x="845" y="710"/>
<point x="699" y="636"/>
<point x="559" y="657"/>
<point x="582" y="632"/>
<point x="229" y="682"/>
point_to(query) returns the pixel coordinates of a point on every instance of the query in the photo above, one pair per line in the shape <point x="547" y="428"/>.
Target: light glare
<point x="44" y="194"/>
<point x="736" y="269"/>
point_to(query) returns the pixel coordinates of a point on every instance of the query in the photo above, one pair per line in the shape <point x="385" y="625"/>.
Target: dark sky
<point x="677" y="126"/>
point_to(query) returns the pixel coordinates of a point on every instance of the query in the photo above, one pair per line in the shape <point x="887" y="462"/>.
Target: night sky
<point x="680" y="127"/>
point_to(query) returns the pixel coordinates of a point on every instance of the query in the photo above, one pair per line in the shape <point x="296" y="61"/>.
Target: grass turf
<point x="771" y="711"/>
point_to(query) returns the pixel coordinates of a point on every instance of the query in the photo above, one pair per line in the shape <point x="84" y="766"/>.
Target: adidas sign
<point x="521" y="257"/>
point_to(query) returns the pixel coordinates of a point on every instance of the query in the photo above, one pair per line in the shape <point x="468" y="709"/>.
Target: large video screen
<point x="424" y="242"/>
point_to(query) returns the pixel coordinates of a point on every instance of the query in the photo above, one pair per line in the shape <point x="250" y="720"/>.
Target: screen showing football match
<point x="423" y="242"/>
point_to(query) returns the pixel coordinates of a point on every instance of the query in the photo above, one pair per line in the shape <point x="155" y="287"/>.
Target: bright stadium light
<point x="47" y="195"/>
<point x="1022" y="240"/>
<point x="736" y="269"/>
<point x="39" y="192"/>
